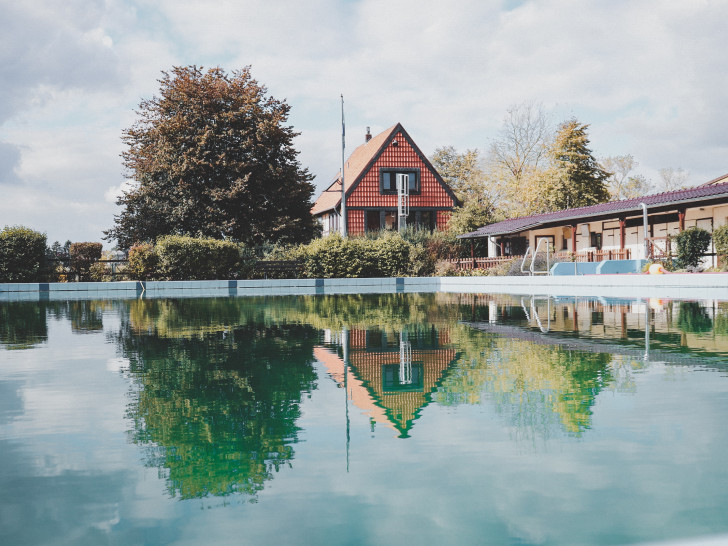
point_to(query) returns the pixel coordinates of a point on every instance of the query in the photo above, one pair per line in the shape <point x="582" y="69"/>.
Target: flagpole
<point x="343" y="188"/>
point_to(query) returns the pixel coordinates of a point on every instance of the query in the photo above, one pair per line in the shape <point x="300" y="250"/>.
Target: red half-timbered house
<point x="371" y="192"/>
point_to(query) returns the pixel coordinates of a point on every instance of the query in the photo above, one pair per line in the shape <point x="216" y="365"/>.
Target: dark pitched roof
<point x="711" y="190"/>
<point x="359" y="163"/>
<point x="353" y="169"/>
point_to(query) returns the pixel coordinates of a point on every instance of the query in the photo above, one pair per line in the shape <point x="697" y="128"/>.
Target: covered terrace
<point x="607" y="231"/>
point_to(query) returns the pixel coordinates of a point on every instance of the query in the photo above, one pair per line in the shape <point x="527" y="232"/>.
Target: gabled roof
<point x="359" y="163"/>
<point x="715" y="189"/>
<point x="354" y="167"/>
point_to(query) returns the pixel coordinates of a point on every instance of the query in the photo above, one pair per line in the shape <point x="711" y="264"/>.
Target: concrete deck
<point x="675" y="286"/>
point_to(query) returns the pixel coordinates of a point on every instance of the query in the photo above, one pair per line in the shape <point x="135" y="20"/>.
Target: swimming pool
<point x="364" y="419"/>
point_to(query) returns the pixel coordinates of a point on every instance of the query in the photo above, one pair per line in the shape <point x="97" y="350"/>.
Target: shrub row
<point x="335" y="256"/>
<point x="177" y="257"/>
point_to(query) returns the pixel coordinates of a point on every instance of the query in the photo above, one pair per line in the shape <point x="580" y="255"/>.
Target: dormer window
<point x="388" y="180"/>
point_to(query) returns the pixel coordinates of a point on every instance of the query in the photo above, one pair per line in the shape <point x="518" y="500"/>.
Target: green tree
<point x="212" y="156"/>
<point x="580" y="181"/>
<point x="518" y="161"/>
<point x="691" y="245"/>
<point x="22" y="255"/>
<point x="464" y="173"/>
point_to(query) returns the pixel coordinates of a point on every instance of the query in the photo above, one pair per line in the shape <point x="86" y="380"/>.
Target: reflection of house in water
<point x="650" y="329"/>
<point x="390" y="375"/>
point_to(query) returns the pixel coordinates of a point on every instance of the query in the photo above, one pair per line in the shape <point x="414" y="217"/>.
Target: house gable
<point x="392" y="150"/>
<point x="399" y="151"/>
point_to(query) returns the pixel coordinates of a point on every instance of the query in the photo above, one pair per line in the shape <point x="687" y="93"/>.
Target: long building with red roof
<point x="614" y="229"/>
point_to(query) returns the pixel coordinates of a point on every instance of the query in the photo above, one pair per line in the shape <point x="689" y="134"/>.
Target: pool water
<point x="371" y="419"/>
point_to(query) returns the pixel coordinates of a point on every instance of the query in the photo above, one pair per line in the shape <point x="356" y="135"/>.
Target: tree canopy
<point x="464" y="173"/>
<point x="578" y="180"/>
<point x="212" y="156"/>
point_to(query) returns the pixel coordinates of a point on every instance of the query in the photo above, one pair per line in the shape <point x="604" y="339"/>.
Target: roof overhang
<point x="627" y="212"/>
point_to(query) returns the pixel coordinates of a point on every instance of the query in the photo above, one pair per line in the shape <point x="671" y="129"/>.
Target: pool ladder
<point x="532" y="268"/>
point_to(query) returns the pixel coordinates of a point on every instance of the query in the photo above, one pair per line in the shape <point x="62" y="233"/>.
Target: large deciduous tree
<point x="463" y="172"/>
<point x="672" y="179"/>
<point x="212" y="156"/>
<point x="517" y="162"/>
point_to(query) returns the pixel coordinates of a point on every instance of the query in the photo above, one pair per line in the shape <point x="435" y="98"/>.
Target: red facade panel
<point x="355" y="222"/>
<point x="367" y="194"/>
<point x="443" y="217"/>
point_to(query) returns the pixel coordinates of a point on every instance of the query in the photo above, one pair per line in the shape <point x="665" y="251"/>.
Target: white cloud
<point x="649" y="79"/>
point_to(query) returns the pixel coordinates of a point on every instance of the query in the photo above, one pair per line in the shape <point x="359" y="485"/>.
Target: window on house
<point x="391" y="378"/>
<point x="388" y="180"/>
<point x="596" y="240"/>
<point x="388" y="219"/>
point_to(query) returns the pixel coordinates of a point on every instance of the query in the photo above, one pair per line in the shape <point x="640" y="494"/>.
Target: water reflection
<point x="22" y="325"/>
<point x="218" y="395"/>
<point x="219" y="383"/>
<point x="389" y="374"/>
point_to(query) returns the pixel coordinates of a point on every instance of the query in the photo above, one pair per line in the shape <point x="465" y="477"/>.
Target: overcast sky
<point x="650" y="77"/>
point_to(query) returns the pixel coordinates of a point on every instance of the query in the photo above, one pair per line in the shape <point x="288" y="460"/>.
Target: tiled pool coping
<point x="678" y="286"/>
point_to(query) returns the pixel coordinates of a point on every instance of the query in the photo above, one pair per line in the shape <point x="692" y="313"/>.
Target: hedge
<point x="338" y="257"/>
<point x="720" y="239"/>
<point x="190" y="258"/>
<point x="22" y="255"/>
<point x="143" y="263"/>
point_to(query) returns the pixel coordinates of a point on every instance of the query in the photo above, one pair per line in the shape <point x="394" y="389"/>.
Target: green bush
<point x="332" y="257"/>
<point x="190" y="258"/>
<point x="143" y="263"/>
<point x="83" y="256"/>
<point x="691" y="246"/>
<point x="22" y="255"/>
<point x="387" y="255"/>
<point x="720" y="239"/>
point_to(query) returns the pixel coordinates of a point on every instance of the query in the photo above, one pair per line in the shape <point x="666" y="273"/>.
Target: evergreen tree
<point x="211" y="156"/>
<point x="580" y="181"/>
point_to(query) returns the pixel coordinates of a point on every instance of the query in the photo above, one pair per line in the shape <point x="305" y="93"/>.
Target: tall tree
<point x="580" y="181"/>
<point x="523" y="139"/>
<point x="518" y="160"/>
<point x="463" y="172"/>
<point x="212" y="156"/>
<point x="673" y="179"/>
<point x="620" y="184"/>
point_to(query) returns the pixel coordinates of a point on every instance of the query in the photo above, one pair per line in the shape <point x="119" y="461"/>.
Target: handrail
<point x="525" y="257"/>
<point x="548" y="315"/>
<point x="533" y="261"/>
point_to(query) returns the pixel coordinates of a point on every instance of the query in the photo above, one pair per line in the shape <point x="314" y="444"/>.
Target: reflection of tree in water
<point x="22" y="324"/>
<point x="693" y="318"/>
<point x="86" y="316"/>
<point x="538" y="386"/>
<point x="216" y="410"/>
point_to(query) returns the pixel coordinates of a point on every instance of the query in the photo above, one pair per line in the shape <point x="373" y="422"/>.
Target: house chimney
<point x="368" y="136"/>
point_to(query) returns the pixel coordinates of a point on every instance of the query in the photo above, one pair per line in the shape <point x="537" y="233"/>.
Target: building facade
<point x="370" y="177"/>
<point x="614" y="230"/>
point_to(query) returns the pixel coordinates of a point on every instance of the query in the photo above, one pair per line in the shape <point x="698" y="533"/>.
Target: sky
<point x="648" y="76"/>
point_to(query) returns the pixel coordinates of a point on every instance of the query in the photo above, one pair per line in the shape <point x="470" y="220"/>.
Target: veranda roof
<point x="709" y="193"/>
